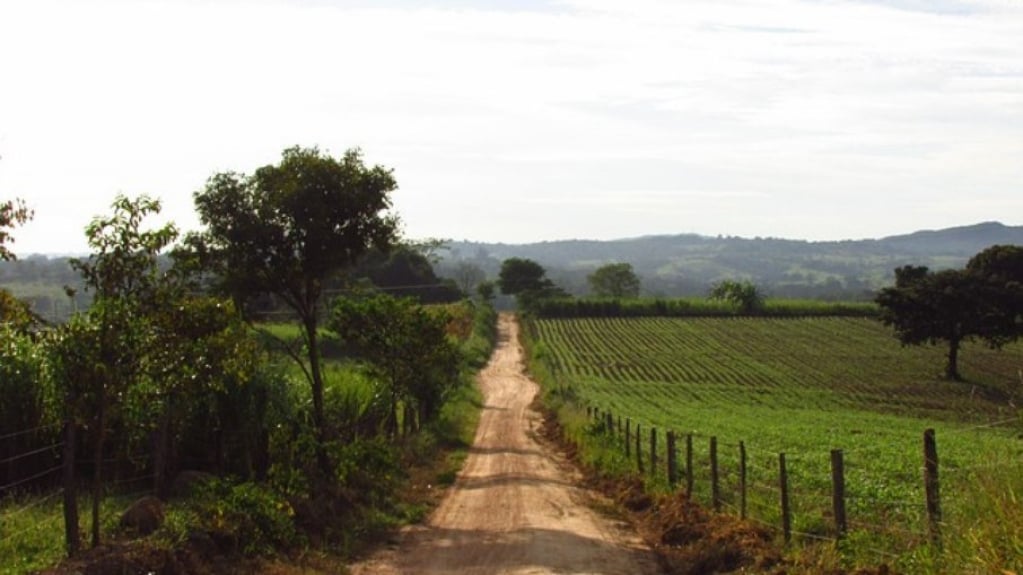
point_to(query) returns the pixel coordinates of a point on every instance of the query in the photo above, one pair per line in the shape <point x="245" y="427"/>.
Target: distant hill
<point x="688" y="264"/>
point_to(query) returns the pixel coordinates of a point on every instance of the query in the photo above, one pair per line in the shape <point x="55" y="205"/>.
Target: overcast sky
<point x="521" y="121"/>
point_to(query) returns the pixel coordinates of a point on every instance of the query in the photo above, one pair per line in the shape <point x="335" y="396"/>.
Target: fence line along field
<point x="804" y="386"/>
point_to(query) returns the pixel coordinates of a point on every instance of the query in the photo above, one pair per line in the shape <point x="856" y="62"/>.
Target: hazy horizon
<point x="522" y="122"/>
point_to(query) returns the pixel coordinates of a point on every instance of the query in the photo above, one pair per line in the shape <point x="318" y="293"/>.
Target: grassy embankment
<point x="804" y="386"/>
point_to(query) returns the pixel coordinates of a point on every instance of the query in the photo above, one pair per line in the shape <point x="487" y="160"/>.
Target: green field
<point x="805" y="386"/>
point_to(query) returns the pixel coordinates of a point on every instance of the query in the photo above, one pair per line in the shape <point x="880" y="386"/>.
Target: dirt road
<point x="515" y="507"/>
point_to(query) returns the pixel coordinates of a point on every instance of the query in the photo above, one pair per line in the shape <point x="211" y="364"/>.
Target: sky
<point x="522" y="121"/>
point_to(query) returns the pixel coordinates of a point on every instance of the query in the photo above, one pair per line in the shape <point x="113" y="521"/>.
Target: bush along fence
<point x="679" y="461"/>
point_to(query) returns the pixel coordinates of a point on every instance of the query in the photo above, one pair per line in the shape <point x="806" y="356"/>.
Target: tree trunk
<point x="97" y="456"/>
<point x="161" y="451"/>
<point x="319" y="419"/>
<point x="952" y="361"/>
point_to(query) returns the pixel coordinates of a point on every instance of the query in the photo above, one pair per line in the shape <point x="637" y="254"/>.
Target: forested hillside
<point x="689" y="264"/>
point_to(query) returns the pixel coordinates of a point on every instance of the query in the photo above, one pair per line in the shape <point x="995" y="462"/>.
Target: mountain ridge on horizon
<point x="985" y="225"/>
<point x="688" y="264"/>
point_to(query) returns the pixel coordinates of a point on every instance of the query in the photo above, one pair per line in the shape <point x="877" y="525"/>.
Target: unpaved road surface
<point x="515" y="507"/>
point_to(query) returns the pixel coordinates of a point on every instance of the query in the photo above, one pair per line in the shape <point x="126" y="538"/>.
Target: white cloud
<point x="787" y="117"/>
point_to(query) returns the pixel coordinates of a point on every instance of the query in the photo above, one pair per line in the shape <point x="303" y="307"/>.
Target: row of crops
<point x="804" y="386"/>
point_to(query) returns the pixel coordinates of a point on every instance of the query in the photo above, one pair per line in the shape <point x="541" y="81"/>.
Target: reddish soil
<point x="517" y="506"/>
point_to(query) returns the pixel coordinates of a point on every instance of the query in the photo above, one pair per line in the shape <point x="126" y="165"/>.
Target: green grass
<point x="32" y="528"/>
<point x="803" y="387"/>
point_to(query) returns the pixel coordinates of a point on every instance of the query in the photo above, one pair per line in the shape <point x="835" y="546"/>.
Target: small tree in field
<point x="286" y="230"/>
<point x="614" y="280"/>
<point x="407" y="346"/>
<point x="745" y="295"/>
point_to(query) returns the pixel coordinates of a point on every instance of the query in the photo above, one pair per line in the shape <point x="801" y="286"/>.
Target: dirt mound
<point x="691" y="540"/>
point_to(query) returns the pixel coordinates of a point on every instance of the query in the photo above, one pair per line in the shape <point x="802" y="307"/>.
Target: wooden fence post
<point x="742" y="480"/>
<point x="838" y="492"/>
<point x="628" y="437"/>
<point x="931" y="486"/>
<point x="639" y="449"/>
<point x="715" y="487"/>
<point x="672" y="460"/>
<point x="689" y="466"/>
<point x="653" y="451"/>
<point x="610" y="427"/>
<point x="786" y="512"/>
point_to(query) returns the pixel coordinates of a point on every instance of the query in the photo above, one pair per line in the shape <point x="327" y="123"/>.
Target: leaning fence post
<point x="838" y="491"/>
<point x="689" y="466"/>
<point x="672" y="460"/>
<point x="931" y="486"/>
<point x="653" y="451"/>
<point x="715" y="487"/>
<point x="628" y="437"/>
<point x="786" y="512"/>
<point x="742" y="479"/>
<point x="639" y="449"/>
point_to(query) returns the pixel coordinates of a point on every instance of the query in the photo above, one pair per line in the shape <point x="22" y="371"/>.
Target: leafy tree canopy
<point x="527" y="281"/>
<point x="407" y="346"/>
<point x="286" y="230"/>
<point x="12" y="213"/>
<point x="614" y="280"/>
<point x="744" y="294"/>
<point x="984" y="300"/>
<point x="520" y="275"/>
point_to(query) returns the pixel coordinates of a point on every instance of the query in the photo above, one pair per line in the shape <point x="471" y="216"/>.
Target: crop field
<point x="805" y="386"/>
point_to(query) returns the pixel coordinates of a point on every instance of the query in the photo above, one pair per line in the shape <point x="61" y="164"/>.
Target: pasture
<point x="805" y="386"/>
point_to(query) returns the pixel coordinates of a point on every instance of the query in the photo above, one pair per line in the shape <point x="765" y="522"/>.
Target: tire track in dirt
<point x="516" y="507"/>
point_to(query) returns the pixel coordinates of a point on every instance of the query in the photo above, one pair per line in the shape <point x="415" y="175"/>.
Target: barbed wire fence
<point x="759" y="486"/>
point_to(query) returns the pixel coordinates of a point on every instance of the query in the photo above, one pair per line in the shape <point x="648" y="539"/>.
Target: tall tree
<point x="614" y="280"/>
<point x="984" y="300"/>
<point x="287" y="229"/>
<point x="934" y="307"/>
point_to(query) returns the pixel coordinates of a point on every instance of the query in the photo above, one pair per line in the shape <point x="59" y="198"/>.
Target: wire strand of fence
<point x="36" y="502"/>
<point x="28" y="431"/>
<point x="133" y="479"/>
<point x="35" y="526"/>
<point x="31" y="478"/>
<point x="14" y="458"/>
<point x="988" y="425"/>
<point x="814" y="536"/>
<point x="878" y="501"/>
<point x="889" y="528"/>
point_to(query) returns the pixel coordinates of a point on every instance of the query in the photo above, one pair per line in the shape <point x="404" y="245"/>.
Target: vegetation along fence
<point x="760" y="487"/>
